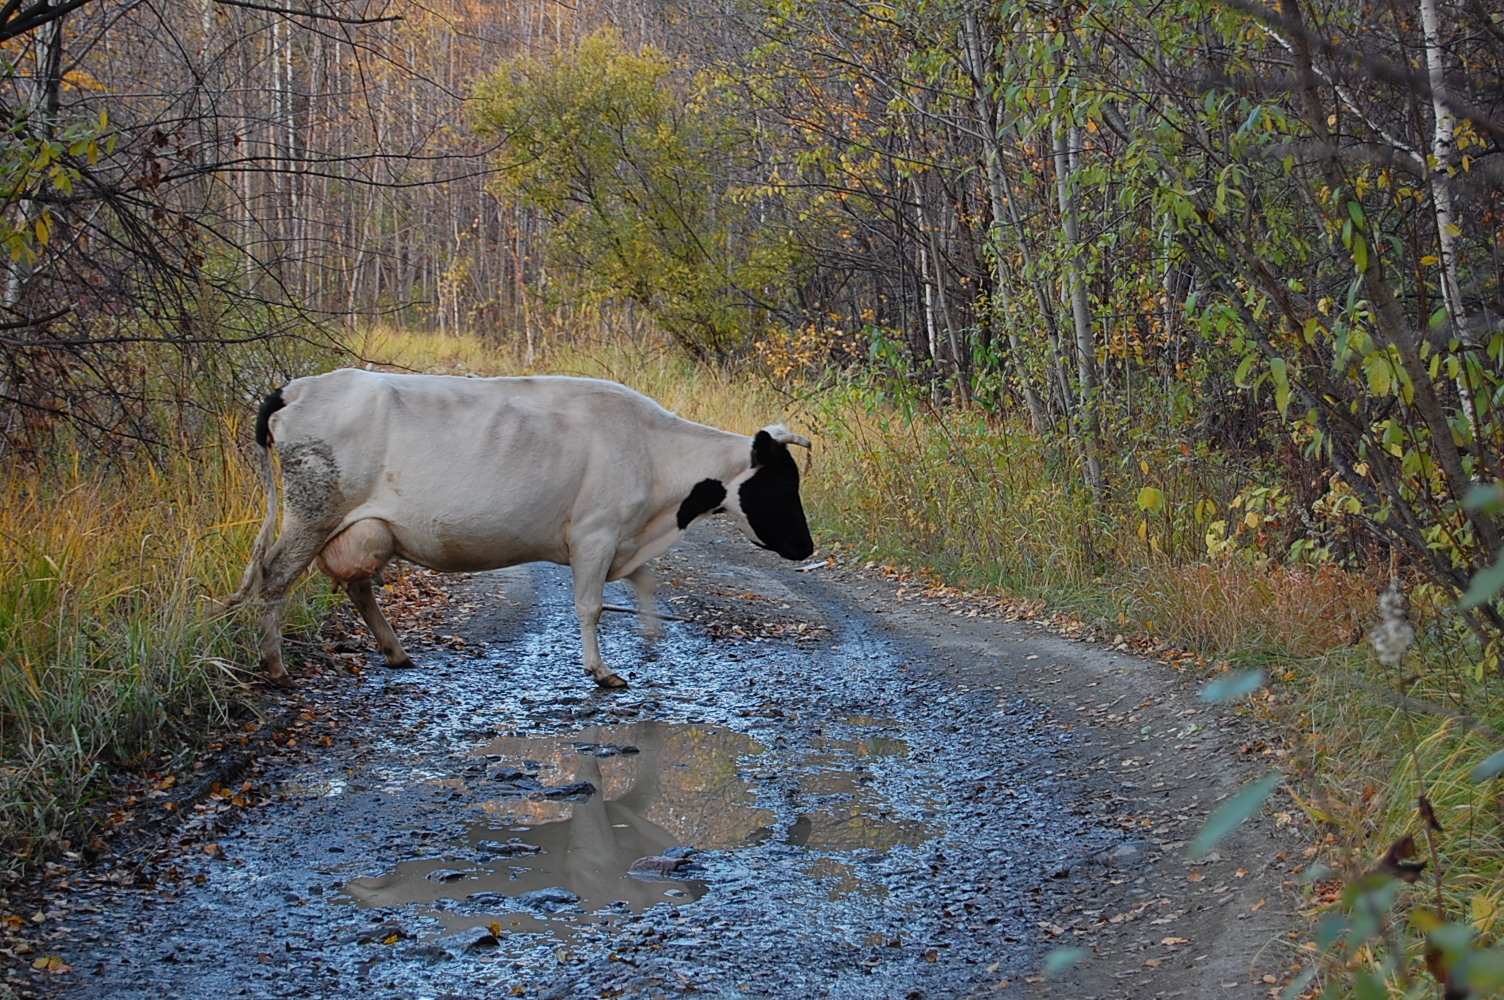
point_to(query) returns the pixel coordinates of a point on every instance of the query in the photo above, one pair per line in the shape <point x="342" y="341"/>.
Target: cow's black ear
<point x="764" y="449"/>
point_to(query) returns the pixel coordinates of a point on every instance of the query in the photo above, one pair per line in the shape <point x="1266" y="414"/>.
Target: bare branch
<point x="315" y="15"/>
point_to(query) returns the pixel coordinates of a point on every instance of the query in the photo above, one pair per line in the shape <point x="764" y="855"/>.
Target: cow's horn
<point x="783" y="435"/>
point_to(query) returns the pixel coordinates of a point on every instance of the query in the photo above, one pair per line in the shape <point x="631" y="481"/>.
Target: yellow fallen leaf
<point x="1173" y="941"/>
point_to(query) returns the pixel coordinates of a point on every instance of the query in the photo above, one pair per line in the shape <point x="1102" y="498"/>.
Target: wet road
<point x="799" y="796"/>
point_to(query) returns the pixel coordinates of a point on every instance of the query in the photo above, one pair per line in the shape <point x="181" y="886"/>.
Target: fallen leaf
<point x="1173" y="941"/>
<point x="1396" y="861"/>
<point x="1428" y="814"/>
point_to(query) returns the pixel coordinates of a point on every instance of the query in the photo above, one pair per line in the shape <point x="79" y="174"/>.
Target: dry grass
<point x="113" y="642"/>
<point x="1237" y="607"/>
<point x="108" y="628"/>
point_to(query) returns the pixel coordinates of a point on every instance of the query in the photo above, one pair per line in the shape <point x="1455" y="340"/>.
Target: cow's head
<point x="764" y="501"/>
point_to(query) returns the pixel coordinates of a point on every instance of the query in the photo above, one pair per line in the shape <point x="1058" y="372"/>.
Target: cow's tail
<point x="250" y="580"/>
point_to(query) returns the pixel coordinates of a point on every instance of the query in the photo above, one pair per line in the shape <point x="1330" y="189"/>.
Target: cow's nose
<point x="799" y="552"/>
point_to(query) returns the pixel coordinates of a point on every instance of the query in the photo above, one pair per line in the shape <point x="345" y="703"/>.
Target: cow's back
<point x="469" y="472"/>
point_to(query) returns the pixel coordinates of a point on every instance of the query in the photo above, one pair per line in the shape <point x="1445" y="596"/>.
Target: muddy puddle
<point x="806" y="818"/>
<point x="586" y="828"/>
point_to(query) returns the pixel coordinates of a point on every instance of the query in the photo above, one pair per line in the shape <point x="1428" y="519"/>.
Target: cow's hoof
<point x="275" y="676"/>
<point x="611" y="681"/>
<point x="403" y="664"/>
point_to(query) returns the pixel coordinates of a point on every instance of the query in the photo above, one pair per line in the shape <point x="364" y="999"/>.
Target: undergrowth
<point x="114" y="644"/>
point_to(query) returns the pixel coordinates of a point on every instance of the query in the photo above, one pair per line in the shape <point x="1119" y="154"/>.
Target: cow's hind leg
<point x="363" y="596"/>
<point x="590" y="573"/>
<point x="352" y="560"/>
<point x="286" y="561"/>
<point x="645" y="588"/>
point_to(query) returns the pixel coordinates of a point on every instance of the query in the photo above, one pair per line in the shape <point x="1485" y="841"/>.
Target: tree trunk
<point x="1067" y="145"/>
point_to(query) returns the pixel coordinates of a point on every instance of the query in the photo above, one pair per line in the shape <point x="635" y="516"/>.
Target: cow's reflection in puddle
<point x="537" y="862"/>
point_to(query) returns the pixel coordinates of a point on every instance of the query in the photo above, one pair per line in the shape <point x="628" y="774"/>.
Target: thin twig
<point x="634" y="611"/>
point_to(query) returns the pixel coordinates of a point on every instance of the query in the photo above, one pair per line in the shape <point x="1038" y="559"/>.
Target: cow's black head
<point x="768" y="499"/>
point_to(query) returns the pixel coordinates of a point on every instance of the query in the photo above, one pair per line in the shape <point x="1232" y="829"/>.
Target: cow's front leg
<point x="645" y="587"/>
<point x="589" y="595"/>
<point x="363" y="596"/>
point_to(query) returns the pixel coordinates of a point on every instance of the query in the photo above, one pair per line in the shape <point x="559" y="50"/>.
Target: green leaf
<point x="1296" y="988"/>
<point x="1061" y="959"/>
<point x="1278" y="369"/>
<point x="1151" y="498"/>
<point x="1483" y="971"/>
<point x="1490" y="767"/>
<point x="1369" y="987"/>
<point x="1240" y="377"/>
<point x="1236" y="686"/>
<point x="1487" y="497"/>
<point x="1360" y="253"/>
<point x="1379" y="375"/>
<point x="1233" y="814"/>
<point x="1486" y="583"/>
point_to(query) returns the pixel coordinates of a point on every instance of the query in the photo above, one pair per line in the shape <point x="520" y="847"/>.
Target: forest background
<point x="1183" y="318"/>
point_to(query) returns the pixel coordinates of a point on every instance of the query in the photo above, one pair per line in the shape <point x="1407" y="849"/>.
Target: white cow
<point x="467" y="474"/>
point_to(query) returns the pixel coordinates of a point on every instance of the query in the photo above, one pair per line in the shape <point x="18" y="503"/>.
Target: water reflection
<point x="533" y="858"/>
<point x="682" y="782"/>
<point x="538" y="858"/>
<point x="854" y="815"/>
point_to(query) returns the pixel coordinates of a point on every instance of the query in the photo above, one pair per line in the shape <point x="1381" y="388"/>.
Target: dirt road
<point x="816" y="786"/>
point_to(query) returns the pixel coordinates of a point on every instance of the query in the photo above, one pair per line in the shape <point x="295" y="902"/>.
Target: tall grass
<point x="113" y="642"/>
<point x="110" y="634"/>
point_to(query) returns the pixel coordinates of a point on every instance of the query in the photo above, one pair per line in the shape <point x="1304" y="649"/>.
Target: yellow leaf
<point x="1430" y="259"/>
<point x="1483" y="911"/>
<point x="1425" y="921"/>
